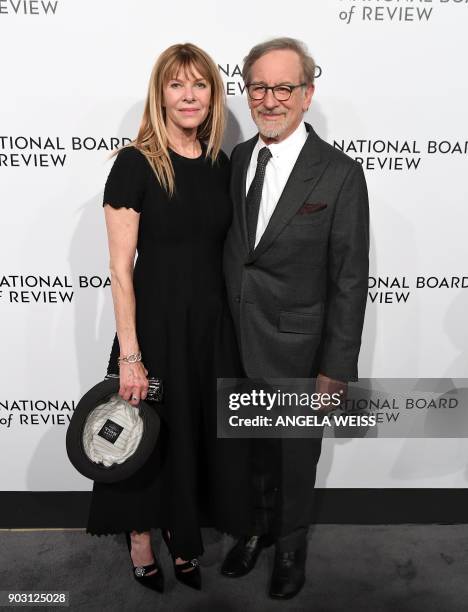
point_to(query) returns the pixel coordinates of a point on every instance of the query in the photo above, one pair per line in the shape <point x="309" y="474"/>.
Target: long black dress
<point x="186" y="337"/>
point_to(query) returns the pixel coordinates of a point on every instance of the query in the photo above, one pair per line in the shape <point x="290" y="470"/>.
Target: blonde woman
<point x="166" y="198"/>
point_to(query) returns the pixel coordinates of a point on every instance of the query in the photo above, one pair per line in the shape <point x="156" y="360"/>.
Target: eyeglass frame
<point x="273" y="87"/>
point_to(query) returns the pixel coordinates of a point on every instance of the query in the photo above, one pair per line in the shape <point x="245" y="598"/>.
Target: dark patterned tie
<point x="254" y="194"/>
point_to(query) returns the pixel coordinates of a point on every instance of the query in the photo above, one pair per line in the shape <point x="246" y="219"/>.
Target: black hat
<point x="108" y="439"/>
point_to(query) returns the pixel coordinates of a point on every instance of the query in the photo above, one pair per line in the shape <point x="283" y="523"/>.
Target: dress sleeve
<point x="125" y="185"/>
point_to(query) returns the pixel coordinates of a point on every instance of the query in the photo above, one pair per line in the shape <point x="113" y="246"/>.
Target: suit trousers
<point x="283" y="480"/>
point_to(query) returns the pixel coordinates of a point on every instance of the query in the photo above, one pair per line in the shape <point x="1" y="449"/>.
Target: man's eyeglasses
<point x="281" y="92"/>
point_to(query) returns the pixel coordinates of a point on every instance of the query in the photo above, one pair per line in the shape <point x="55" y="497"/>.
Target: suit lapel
<point x="305" y="174"/>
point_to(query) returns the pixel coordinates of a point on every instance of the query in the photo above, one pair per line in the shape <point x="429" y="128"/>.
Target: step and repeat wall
<point x="391" y="92"/>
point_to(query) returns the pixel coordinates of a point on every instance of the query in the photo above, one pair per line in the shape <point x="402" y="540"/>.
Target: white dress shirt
<point x="284" y="156"/>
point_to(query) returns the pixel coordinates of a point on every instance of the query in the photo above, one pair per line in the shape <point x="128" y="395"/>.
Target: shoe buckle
<point x="194" y="562"/>
<point x="140" y="571"/>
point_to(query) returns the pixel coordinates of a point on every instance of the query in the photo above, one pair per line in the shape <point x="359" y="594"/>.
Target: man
<point x="296" y="268"/>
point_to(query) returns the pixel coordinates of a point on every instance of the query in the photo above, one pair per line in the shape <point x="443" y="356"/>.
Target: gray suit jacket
<point x="298" y="299"/>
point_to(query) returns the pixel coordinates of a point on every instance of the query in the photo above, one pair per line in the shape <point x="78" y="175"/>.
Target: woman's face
<point x="187" y="99"/>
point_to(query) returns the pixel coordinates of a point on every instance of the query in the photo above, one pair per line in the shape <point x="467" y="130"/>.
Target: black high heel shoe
<point x="140" y="572"/>
<point x="189" y="577"/>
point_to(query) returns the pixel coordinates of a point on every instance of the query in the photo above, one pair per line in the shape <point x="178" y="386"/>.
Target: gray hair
<point x="307" y="61"/>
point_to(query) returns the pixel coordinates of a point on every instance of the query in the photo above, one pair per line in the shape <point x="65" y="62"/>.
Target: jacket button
<point x="237" y="298"/>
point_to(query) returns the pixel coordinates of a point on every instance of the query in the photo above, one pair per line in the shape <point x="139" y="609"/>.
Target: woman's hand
<point x="133" y="382"/>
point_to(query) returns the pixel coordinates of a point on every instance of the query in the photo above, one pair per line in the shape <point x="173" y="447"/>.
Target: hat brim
<point x="74" y="438"/>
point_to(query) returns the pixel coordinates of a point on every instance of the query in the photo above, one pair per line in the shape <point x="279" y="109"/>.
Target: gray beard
<point x="272" y="132"/>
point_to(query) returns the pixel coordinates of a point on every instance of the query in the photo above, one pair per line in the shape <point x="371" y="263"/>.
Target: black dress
<point x="186" y="337"/>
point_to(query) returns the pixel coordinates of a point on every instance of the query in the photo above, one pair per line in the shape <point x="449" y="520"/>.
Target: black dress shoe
<point x="187" y="573"/>
<point x="288" y="575"/>
<point x="140" y="573"/>
<point x="242" y="557"/>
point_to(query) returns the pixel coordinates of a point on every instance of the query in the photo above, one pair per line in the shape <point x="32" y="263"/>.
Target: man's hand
<point x="327" y="385"/>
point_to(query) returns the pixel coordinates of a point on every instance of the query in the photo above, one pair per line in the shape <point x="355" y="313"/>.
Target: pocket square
<point x="311" y="207"/>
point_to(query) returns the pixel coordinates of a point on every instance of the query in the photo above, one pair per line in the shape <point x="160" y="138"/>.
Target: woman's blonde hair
<point x="152" y="139"/>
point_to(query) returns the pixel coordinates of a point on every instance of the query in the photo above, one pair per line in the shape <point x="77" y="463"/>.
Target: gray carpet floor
<point x="404" y="568"/>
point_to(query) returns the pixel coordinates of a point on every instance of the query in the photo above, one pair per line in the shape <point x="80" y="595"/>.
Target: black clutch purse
<point x="155" y="388"/>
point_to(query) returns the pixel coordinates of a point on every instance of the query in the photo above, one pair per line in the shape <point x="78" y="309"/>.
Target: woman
<point x="167" y="197"/>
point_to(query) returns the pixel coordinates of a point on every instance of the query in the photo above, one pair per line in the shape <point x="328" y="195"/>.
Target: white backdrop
<point x="74" y="75"/>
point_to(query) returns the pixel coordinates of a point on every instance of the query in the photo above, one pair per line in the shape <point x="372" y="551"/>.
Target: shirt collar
<point x="294" y="141"/>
